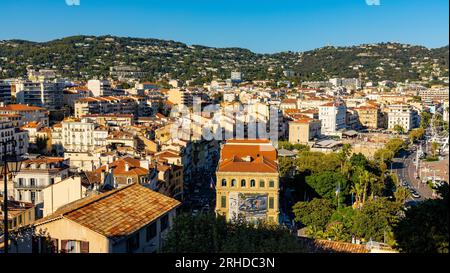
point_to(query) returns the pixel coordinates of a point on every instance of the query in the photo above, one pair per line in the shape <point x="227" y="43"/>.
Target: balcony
<point x="28" y="186"/>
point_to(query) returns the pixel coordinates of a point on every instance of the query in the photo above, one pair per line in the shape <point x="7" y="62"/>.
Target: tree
<point x="399" y="129"/>
<point x="315" y="162"/>
<point x="376" y="219"/>
<point x="416" y="134"/>
<point x="384" y="155"/>
<point x="206" y="233"/>
<point x="434" y="148"/>
<point x="424" y="229"/>
<point x="315" y="214"/>
<point x="401" y="195"/>
<point x="425" y="118"/>
<point x="325" y="185"/>
<point x="344" y="154"/>
<point x="286" y="166"/>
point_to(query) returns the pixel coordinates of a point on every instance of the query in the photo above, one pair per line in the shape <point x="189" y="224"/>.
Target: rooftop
<point x="116" y="213"/>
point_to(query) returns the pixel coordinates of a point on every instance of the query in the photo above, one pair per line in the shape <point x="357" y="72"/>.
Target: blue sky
<point x="264" y="26"/>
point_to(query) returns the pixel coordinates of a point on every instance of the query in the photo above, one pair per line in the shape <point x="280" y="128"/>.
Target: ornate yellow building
<point x="248" y="181"/>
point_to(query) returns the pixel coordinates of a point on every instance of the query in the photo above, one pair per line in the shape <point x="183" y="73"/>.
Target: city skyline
<point x="229" y="24"/>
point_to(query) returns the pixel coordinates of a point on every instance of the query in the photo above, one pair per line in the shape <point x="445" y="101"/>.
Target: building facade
<point x="248" y="181"/>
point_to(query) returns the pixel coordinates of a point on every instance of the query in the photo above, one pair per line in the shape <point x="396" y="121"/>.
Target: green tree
<point x="434" y="148"/>
<point x="425" y="118"/>
<point x="326" y="183"/>
<point x="315" y="214"/>
<point x="399" y="129"/>
<point x="416" y="134"/>
<point x="376" y="219"/>
<point x="424" y="229"/>
<point x="286" y="166"/>
<point x="206" y="233"/>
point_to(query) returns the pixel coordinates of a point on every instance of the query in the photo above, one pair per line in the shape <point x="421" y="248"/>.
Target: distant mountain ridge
<point x="83" y="57"/>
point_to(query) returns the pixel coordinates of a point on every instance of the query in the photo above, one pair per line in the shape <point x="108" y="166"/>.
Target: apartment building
<point x="131" y="219"/>
<point x="100" y="88"/>
<point x="28" y="113"/>
<point x="134" y="105"/>
<point x="37" y="174"/>
<point x="370" y="116"/>
<point x="110" y="120"/>
<point x="46" y="94"/>
<point x="403" y="115"/>
<point x="248" y="181"/>
<point x="434" y="94"/>
<point x="5" y="92"/>
<point x="180" y="97"/>
<point x="80" y="136"/>
<point x="333" y="117"/>
<point x="304" y="130"/>
<point x="7" y="132"/>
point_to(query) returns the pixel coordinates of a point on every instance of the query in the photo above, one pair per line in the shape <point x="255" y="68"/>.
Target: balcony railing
<point x="28" y="186"/>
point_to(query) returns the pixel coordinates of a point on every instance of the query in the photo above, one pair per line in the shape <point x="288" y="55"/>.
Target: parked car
<point x="415" y="194"/>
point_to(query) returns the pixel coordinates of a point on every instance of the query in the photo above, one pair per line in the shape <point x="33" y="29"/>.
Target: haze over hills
<point x="85" y="57"/>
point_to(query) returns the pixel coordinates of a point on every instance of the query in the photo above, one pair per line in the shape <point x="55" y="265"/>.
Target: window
<point x="20" y="181"/>
<point x="32" y="182"/>
<point x="33" y="197"/>
<point x="133" y="243"/>
<point x="271" y="184"/>
<point x="233" y="182"/>
<point x="72" y="247"/>
<point x="262" y="183"/>
<point x="151" y="231"/>
<point x="223" y="201"/>
<point x="130" y="180"/>
<point x="271" y="202"/>
<point x="224" y="182"/>
<point x="243" y="183"/>
<point x="164" y="222"/>
<point x="252" y="183"/>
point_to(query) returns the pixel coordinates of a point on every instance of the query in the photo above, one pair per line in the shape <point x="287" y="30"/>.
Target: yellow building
<point x="303" y="130"/>
<point x="248" y="181"/>
<point x="370" y="117"/>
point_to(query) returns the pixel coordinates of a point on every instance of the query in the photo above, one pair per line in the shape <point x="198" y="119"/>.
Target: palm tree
<point x="401" y="194"/>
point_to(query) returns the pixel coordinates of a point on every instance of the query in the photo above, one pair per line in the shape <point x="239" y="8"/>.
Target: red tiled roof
<point x="21" y="107"/>
<point x="262" y="153"/>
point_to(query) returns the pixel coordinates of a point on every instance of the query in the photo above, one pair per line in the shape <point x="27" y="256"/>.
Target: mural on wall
<point x="249" y="205"/>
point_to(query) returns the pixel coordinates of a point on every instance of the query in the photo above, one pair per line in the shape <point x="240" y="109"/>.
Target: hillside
<point x="84" y="57"/>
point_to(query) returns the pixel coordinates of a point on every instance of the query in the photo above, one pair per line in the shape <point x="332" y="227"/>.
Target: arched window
<point x="243" y="183"/>
<point x="252" y="183"/>
<point x="224" y="182"/>
<point x="233" y="182"/>
<point x="130" y="180"/>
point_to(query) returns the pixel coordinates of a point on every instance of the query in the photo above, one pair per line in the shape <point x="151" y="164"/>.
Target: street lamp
<point x="10" y="164"/>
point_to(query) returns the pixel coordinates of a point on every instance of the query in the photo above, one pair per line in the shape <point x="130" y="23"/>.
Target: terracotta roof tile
<point x="116" y="213"/>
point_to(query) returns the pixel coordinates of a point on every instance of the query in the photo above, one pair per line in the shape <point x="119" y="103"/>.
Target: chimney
<point x="127" y="167"/>
<point x="107" y="168"/>
<point x="102" y="177"/>
<point x="145" y="164"/>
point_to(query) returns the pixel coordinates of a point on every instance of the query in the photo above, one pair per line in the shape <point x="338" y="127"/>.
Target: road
<point x="405" y="168"/>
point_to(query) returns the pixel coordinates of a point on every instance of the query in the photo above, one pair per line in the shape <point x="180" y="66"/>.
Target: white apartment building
<point x="100" y="88"/>
<point x="403" y="115"/>
<point x="76" y="136"/>
<point x="333" y="117"/>
<point x="37" y="174"/>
